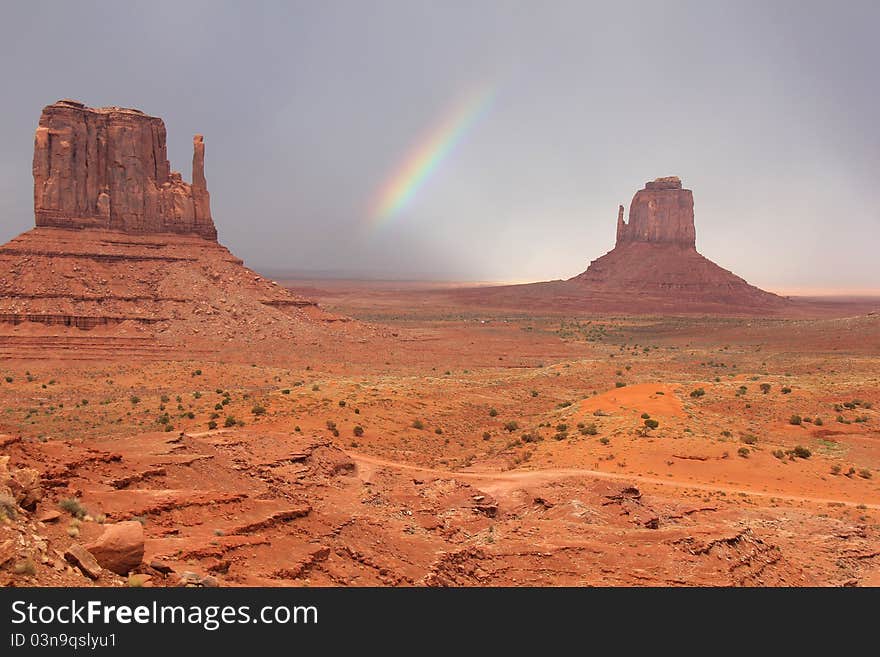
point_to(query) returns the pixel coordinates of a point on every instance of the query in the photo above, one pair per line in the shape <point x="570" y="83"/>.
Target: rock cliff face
<point x="661" y="213"/>
<point x="108" y="168"/>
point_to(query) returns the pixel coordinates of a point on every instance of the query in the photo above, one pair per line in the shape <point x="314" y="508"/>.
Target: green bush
<point x="699" y="392"/>
<point x="795" y="419"/>
<point x="258" y="410"/>
<point x="230" y="421"/>
<point x="511" y="426"/>
<point x="651" y="424"/>
<point x="358" y="430"/>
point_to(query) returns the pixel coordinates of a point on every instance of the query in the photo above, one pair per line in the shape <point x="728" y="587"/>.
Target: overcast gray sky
<point x="767" y="110"/>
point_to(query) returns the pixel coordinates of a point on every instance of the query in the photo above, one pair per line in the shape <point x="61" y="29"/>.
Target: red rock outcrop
<point x="654" y="267"/>
<point x="655" y="264"/>
<point x="108" y="168"/>
<point x="124" y="249"/>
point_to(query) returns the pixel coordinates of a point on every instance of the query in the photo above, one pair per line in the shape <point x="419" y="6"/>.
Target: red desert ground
<point x="172" y="418"/>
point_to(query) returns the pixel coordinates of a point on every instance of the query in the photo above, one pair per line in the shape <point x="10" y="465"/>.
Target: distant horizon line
<point x="388" y="277"/>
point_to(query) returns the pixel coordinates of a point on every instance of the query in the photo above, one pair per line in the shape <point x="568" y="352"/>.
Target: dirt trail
<point x="499" y="482"/>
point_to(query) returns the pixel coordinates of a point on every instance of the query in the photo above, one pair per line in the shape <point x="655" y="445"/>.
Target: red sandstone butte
<point x="123" y="245"/>
<point x="655" y="258"/>
<point x="108" y="168"/>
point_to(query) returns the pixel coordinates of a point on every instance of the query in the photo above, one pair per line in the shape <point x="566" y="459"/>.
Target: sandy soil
<point x="440" y="443"/>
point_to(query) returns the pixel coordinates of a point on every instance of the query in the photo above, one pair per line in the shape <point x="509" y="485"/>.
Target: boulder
<point x="120" y="548"/>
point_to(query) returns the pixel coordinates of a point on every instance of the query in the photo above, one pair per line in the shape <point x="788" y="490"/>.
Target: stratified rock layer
<point x="108" y="168"/>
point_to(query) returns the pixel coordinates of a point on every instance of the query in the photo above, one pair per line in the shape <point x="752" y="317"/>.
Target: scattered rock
<point x="161" y="566"/>
<point x="49" y="516"/>
<point x="84" y="560"/>
<point x="121" y="547"/>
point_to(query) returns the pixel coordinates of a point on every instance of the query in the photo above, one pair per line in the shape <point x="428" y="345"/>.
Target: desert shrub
<point x="589" y="429"/>
<point x="562" y="427"/>
<point x="765" y="388"/>
<point x="531" y="437"/>
<point x="818" y="422"/>
<point x="134" y="399"/>
<point x="73" y="506"/>
<point x="486" y="435"/>
<point x="191" y="415"/>
<point x="699" y="392"/>
<point x="25" y="567"/>
<point x="560" y="435"/>
<point x="864" y="473"/>
<point x="258" y="410"/>
<point x="164" y="399"/>
<point x="619" y="384"/>
<point x="418" y="424"/>
<point x="8" y="507"/>
<point x="835" y="469"/>
<point x="511" y="426"/>
<point x="651" y="424"/>
<point x="795" y="419"/>
<point x="493" y="412"/>
<point x="778" y="453"/>
<point x="286" y="391"/>
<point x="564" y="404"/>
<point x="438" y="431"/>
<point x="801" y="452"/>
<point x="212" y="424"/>
<point x="197" y="373"/>
<point x="749" y="439"/>
<point x="331" y="425"/>
<point x="218" y="407"/>
<point x="645" y="416"/>
<point x="342" y="402"/>
<point x="358" y="430"/>
<point x="229" y="422"/>
<point x="604" y="440"/>
<point x="315" y="388"/>
<point x="786" y="390"/>
<point x="744" y="452"/>
<point x="534" y="393"/>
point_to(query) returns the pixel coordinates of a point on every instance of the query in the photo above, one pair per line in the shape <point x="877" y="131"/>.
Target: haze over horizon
<point x="487" y="140"/>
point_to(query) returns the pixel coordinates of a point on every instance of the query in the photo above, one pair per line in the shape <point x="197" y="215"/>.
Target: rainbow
<point x="431" y="150"/>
